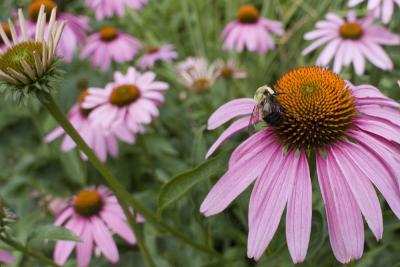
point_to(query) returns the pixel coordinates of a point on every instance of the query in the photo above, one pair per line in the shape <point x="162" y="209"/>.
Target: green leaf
<point x="51" y="232"/>
<point x="74" y="166"/>
<point x="181" y="184"/>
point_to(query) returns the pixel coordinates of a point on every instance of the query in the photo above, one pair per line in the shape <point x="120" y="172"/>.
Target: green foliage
<point x="165" y="168"/>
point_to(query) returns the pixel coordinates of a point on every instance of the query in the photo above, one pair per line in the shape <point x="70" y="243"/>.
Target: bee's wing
<point x="254" y="118"/>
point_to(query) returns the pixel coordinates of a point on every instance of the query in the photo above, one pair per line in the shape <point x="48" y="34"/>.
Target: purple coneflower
<point x="230" y="70"/>
<point x="93" y="215"/>
<point x="380" y="8"/>
<point x="132" y="100"/>
<point x="108" y="8"/>
<point x="110" y="44"/>
<point x="352" y="134"/>
<point x="196" y="74"/>
<point x="351" y="40"/>
<point x="74" y="31"/>
<point x="102" y="141"/>
<point x="165" y="53"/>
<point x="251" y="31"/>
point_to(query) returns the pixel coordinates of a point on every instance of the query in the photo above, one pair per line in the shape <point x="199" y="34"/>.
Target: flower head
<point x="197" y="75"/>
<point x="110" y="44"/>
<point x="27" y="64"/>
<point x="380" y="8"/>
<point x="109" y="8"/>
<point x="351" y="40"/>
<point x="153" y="54"/>
<point x="251" y="31"/>
<point x="131" y="99"/>
<point x="103" y="141"/>
<point x="230" y="70"/>
<point x="93" y="215"/>
<point x="74" y="32"/>
<point x="352" y="134"/>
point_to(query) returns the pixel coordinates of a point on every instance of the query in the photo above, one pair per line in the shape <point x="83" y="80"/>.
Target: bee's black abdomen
<point x="274" y="118"/>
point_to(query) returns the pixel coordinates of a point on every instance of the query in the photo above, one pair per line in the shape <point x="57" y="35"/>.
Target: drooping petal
<point x="104" y="240"/>
<point x="237" y="179"/>
<point x="230" y="110"/>
<point x="84" y="249"/>
<point x="298" y="214"/>
<point x="345" y="225"/>
<point x="360" y="186"/>
<point x="268" y="200"/>
<point x="119" y="226"/>
<point x="63" y="249"/>
<point x="234" y="128"/>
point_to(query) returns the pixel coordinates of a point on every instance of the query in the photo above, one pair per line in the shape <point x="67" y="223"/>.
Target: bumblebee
<point x="267" y="107"/>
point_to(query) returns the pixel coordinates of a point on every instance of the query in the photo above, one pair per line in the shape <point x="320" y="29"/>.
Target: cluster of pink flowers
<point x="349" y="132"/>
<point x="120" y="110"/>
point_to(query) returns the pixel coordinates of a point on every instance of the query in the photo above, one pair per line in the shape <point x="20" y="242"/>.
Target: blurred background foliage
<point x="165" y="168"/>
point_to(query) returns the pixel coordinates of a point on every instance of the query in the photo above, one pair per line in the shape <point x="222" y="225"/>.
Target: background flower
<point x="153" y="54"/>
<point x="381" y="8"/>
<point x="110" y="44"/>
<point x="93" y="214"/>
<point x="351" y="40"/>
<point x="250" y="31"/>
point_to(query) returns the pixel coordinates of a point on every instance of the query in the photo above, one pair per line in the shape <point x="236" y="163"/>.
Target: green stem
<point x="28" y="251"/>
<point x="113" y="183"/>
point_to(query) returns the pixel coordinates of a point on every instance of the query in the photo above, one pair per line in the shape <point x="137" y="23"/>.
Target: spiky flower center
<point x="248" y="14"/>
<point x="201" y="84"/>
<point x="88" y="203"/>
<point x="34" y="8"/>
<point x="108" y="33"/>
<point x="227" y="72"/>
<point x="351" y="31"/>
<point x="7" y="31"/>
<point x="124" y="95"/>
<point x="318" y="108"/>
<point x="14" y="55"/>
<point x="152" y="50"/>
<point x="84" y="111"/>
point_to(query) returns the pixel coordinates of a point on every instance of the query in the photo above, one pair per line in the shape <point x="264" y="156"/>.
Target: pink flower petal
<point x="84" y="249"/>
<point x="230" y="110"/>
<point x="345" y="225"/>
<point x="119" y="226"/>
<point x="234" y="128"/>
<point x="104" y="240"/>
<point x="237" y="179"/>
<point x="298" y="214"/>
<point x="360" y="186"/>
<point x="268" y="200"/>
<point x="63" y="249"/>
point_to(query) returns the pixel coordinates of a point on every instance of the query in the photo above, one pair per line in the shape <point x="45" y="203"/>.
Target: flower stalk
<point x="123" y="196"/>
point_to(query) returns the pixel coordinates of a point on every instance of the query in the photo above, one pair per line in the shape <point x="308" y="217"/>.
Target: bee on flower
<point x="351" y="133"/>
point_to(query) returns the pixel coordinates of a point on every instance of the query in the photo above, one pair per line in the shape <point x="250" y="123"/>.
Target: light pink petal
<point x="263" y="136"/>
<point x="360" y="186"/>
<point x="379" y="174"/>
<point x="345" y="225"/>
<point x="379" y="127"/>
<point x="317" y="43"/>
<point x="63" y="216"/>
<point x="230" y="110"/>
<point x="385" y="113"/>
<point x="6" y="257"/>
<point x="237" y="178"/>
<point x="119" y="226"/>
<point x="84" y="249"/>
<point x="328" y="52"/>
<point x="298" y="214"/>
<point x="54" y="135"/>
<point x="268" y="200"/>
<point x="104" y="240"/>
<point x="63" y="249"/>
<point x="234" y="128"/>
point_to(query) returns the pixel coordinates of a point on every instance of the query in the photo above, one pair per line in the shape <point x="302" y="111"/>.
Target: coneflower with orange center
<point x="29" y="64"/>
<point x="350" y="133"/>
